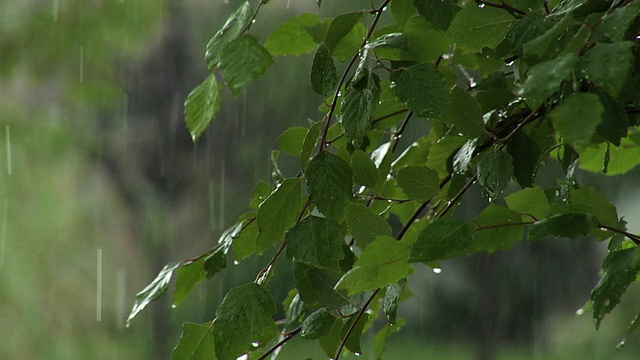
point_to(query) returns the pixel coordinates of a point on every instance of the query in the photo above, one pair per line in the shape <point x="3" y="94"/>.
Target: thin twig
<point x="451" y="203"/>
<point x="398" y="134"/>
<point x="288" y="336"/>
<point x="355" y="322"/>
<point x="633" y="237"/>
<point x="502" y="5"/>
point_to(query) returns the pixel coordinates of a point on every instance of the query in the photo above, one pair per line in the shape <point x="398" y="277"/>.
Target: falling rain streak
<point x="7" y="134"/>
<point x="222" y="193"/>
<point x="3" y="240"/>
<point x="99" y="285"/>
<point x="81" y="64"/>
<point x="56" y="6"/>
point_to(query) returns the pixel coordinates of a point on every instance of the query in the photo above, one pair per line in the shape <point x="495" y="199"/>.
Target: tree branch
<point x="355" y="322"/>
<point x="288" y="336"/>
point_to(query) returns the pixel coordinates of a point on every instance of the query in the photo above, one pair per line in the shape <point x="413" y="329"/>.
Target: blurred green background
<point x="100" y="186"/>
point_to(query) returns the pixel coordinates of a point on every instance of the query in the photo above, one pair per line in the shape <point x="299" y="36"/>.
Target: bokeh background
<point x="100" y="186"/>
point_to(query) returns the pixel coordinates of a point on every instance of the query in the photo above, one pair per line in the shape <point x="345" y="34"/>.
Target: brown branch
<point x="501" y="5"/>
<point x="355" y="322"/>
<point x="633" y="237"/>
<point x="288" y="336"/>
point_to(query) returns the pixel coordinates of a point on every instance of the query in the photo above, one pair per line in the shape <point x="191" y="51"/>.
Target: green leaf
<point x="590" y="200"/>
<point x="201" y="106"/>
<point x="351" y="43"/>
<point x="153" y="291"/>
<point x="463" y="158"/>
<point x="291" y="140"/>
<point x="324" y="77"/>
<point x="309" y="143"/>
<point x="577" y="117"/>
<point x="392" y="297"/>
<point x="598" y="65"/>
<point x="441" y="151"/>
<point x="494" y="171"/>
<point x="380" y="340"/>
<point x="245" y="316"/>
<point x="474" y="28"/>
<point x="540" y="46"/>
<point x="496" y="229"/>
<point x="393" y="40"/>
<point x="196" y="343"/>
<point x="438" y="12"/>
<point x="530" y="27"/>
<point x="442" y="239"/>
<point x="317" y="324"/>
<point x="544" y="79"/>
<point x="187" y="276"/>
<point x="563" y="225"/>
<point x="232" y="29"/>
<point x="382" y="262"/>
<point x="340" y="27"/>
<point x="615" y="25"/>
<point x="260" y="192"/>
<point x="278" y="213"/>
<point x="424" y="89"/>
<point x="402" y="11"/>
<point x="465" y="113"/>
<point x="317" y="242"/>
<point x="614" y="123"/>
<point x="245" y="244"/>
<point x="242" y="61"/>
<point x="526" y="158"/>
<point x="365" y="171"/>
<point x="292" y="37"/>
<point x="621" y="159"/>
<point x="419" y="182"/>
<point x="353" y="341"/>
<point x="358" y="104"/>
<point x="529" y="201"/>
<point x="620" y="269"/>
<point x="329" y="180"/>
<point x="633" y="326"/>
<point x="215" y="262"/>
<point x="365" y="225"/>
<point x="332" y="340"/>
<point x="426" y="43"/>
<point x="316" y="286"/>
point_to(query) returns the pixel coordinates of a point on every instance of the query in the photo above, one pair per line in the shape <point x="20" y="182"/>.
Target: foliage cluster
<point x="506" y="88"/>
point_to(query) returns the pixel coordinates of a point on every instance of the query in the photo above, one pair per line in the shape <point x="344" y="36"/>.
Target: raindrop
<point x="357" y="353"/>
<point x="437" y="270"/>
<point x="99" y="285"/>
<point x="580" y="311"/>
<point x="288" y="4"/>
<point x="384" y="9"/>
<point x="510" y="63"/>
<point x="235" y="262"/>
<point x="7" y="135"/>
<point x="481" y="6"/>
<point x="253" y="21"/>
<point x="81" y="64"/>
<point x="121" y="297"/>
<point x="173" y="306"/>
<point x="255" y="344"/>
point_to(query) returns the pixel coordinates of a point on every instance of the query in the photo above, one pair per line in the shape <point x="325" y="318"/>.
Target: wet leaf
<point x="340" y="27"/>
<point x="278" y="213"/>
<point x="438" y="12"/>
<point x="620" y="269"/>
<point x="526" y="156"/>
<point x="358" y="104"/>
<point x="365" y="171"/>
<point x="474" y="28"/>
<point x="232" y="29"/>
<point x="577" y="117"/>
<point x="242" y="61"/>
<point x="353" y="341"/>
<point x="419" y="182"/>
<point x="497" y="228"/>
<point x="316" y="286"/>
<point x="317" y="324"/>
<point x="444" y="238"/>
<point x="324" y="77"/>
<point x="530" y="201"/>
<point x="598" y="69"/>
<point x="292" y="139"/>
<point x="494" y="172"/>
<point x="201" y="106"/>
<point x="383" y="262"/>
<point x="392" y="298"/>
<point x="365" y="225"/>
<point x="196" y="343"/>
<point x="153" y="291"/>
<point x="465" y="113"/>
<point x="424" y="89"/>
<point x="402" y="11"/>
<point x="292" y="37"/>
<point x="317" y="242"/>
<point x="563" y="225"/>
<point x="329" y="180"/>
<point x="545" y="78"/>
<point x="244" y="317"/>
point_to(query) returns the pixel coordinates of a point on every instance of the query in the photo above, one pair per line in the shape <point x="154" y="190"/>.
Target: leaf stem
<point x="355" y="322"/>
<point x="501" y="5"/>
<point x="633" y="237"/>
<point x="288" y="336"/>
<point x="343" y="79"/>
